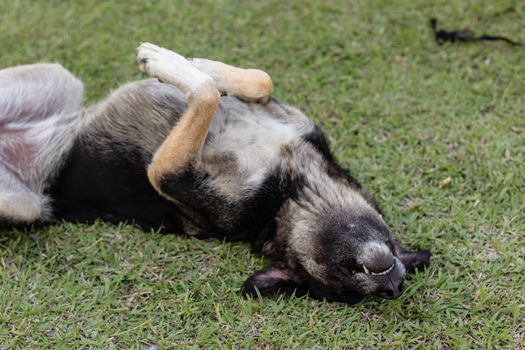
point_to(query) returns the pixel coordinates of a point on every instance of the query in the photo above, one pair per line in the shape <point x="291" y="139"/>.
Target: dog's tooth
<point x="378" y="273"/>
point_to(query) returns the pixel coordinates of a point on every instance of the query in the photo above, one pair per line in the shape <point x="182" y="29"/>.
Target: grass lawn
<point x="436" y="133"/>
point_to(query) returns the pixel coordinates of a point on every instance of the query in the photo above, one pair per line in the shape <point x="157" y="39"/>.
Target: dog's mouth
<point x="380" y="273"/>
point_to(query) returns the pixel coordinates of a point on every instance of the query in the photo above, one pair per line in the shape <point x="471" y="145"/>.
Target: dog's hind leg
<point x="253" y="85"/>
<point x="181" y="150"/>
<point x="36" y="113"/>
<point x="36" y="91"/>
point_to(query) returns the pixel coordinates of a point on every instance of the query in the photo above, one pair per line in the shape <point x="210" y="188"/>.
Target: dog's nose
<point x="393" y="290"/>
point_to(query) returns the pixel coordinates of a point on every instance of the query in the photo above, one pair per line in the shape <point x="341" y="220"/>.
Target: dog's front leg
<point x="181" y="151"/>
<point x="252" y="85"/>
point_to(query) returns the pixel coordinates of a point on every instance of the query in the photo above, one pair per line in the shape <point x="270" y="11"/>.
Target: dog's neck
<point x="316" y="192"/>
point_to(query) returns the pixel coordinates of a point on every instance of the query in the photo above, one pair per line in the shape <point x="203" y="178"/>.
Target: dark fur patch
<point x="113" y="189"/>
<point x="319" y="140"/>
<point x="259" y="212"/>
<point x="201" y="203"/>
<point x="251" y="220"/>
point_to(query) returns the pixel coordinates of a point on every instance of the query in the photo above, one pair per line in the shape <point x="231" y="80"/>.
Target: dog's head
<point x="341" y="254"/>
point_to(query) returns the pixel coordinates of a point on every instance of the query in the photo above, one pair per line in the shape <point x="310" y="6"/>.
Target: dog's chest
<point x="245" y="143"/>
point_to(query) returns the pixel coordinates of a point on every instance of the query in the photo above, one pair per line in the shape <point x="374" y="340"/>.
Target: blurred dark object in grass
<point x="465" y="35"/>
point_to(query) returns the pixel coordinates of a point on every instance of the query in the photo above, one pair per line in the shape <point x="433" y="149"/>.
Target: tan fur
<point x="183" y="145"/>
<point x="253" y="85"/>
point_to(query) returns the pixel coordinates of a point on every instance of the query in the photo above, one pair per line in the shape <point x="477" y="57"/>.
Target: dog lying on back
<point x="171" y="153"/>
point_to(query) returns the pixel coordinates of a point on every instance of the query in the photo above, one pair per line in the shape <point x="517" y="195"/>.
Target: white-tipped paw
<point x="151" y="56"/>
<point x="170" y="67"/>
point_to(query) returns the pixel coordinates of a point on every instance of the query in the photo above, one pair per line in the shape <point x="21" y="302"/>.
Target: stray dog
<point x="201" y="149"/>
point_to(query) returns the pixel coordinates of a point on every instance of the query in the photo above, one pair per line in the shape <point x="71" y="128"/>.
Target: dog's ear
<point x="268" y="280"/>
<point x="412" y="260"/>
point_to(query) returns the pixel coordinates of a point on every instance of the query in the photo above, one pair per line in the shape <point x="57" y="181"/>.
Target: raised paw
<point x="151" y="56"/>
<point x="170" y="67"/>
